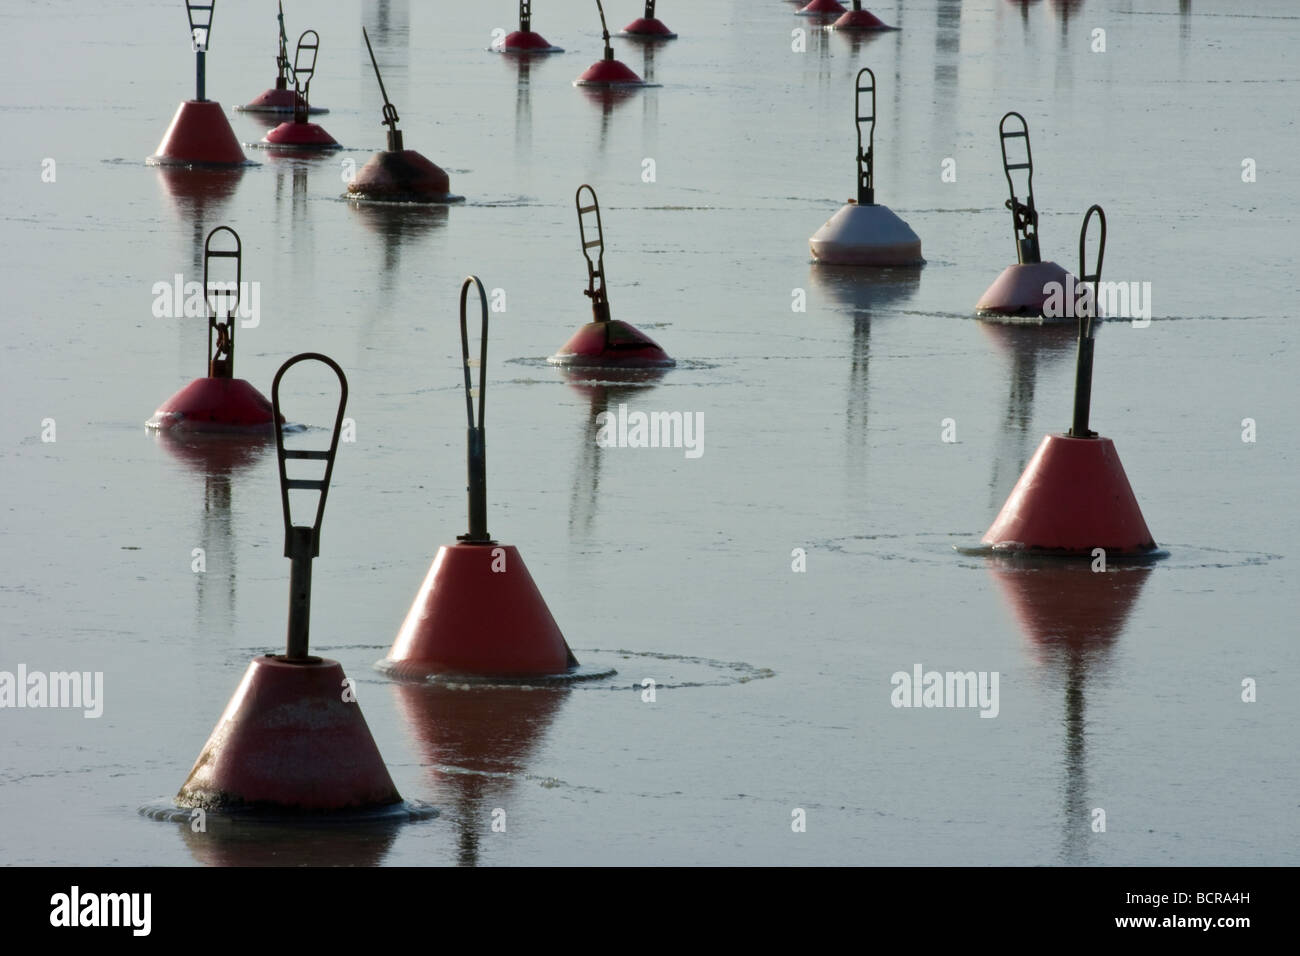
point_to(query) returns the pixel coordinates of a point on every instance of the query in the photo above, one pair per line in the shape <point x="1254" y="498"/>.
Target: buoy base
<point x="651" y="28"/>
<point x="1072" y="498"/>
<point x="527" y="42"/>
<point x="290" y="741"/>
<point x="608" y="73"/>
<point x="1019" y="291"/>
<point x="611" y="344"/>
<point x="866" y="236"/>
<point x="822" y="8"/>
<point x="199" y="134"/>
<point x="278" y="101"/>
<point x="401" y="176"/>
<point x="478" y="613"/>
<point x="215" y="405"/>
<point x="860" y="20"/>
<point x="300" y="136"/>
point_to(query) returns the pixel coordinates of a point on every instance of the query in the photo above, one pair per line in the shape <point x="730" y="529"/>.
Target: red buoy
<point x="220" y="402"/>
<point x="524" y="40"/>
<point x="478" y="611"/>
<point x="608" y="72"/>
<point x="280" y="98"/>
<point x="1074" y="496"/>
<point x="649" y="27"/>
<point x="199" y="133"/>
<point x="821" y="8"/>
<point x="298" y="133"/>
<point x="293" y="739"/>
<point x="859" y="19"/>
<point x="604" y="342"/>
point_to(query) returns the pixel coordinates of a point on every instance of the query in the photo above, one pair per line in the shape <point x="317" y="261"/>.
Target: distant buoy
<point x="199" y="134"/>
<point x="281" y="98"/>
<point x="398" y="174"/>
<point x="864" y="233"/>
<point x="608" y="72"/>
<point x="524" y="40"/>
<point x="821" y="8"/>
<point x="648" y="27"/>
<point x="293" y="739"/>
<point x="478" y="611"/>
<point x="1024" y="290"/>
<point x="298" y="133"/>
<point x="859" y="19"/>
<point x="1074" y="496"/>
<point x="604" y="342"/>
<point x="220" y="402"/>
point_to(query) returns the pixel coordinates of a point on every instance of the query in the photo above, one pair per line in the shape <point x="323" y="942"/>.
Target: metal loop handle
<point x="200" y="38"/>
<point x="221" y="354"/>
<point x="1024" y="217"/>
<point x="476" y="439"/>
<point x="309" y="70"/>
<point x="595" y="268"/>
<point x="866" y="157"/>
<point x="1087" y="309"/>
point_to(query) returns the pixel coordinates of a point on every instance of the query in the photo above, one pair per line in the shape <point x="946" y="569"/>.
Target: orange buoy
<point x="524" y="40"/>
<point x="608" y="72"/>
<point x="604" y="342"/>
<point x="478" y="611"/>
<point x="220" y="402"/>
<point x="293" y="739"/>
<point x="298" y="133"/>
<point x="1074" y="496"/>
<point x="648" y="27"/>
<point x="199" y="134"/>
<point x="863" y="232"/>
<point x="280" y="98"/>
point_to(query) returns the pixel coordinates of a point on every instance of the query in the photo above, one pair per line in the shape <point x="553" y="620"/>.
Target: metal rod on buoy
<point x="649" y="9"/>
<point x="221" y="356"/>
<point x="302" y="542"/>
<point x="477" y="456"/>
<point x="300" y="108"/>
<point x="282" y="68"/>
<point x="1087" y="310"/>
<point x="866" y="166"/>
<point x="595" y="270"/>
<point x="525" y="16"/>
<point x="1024" y="217"/>
<point x="604" y="29"/>
<point x="199" y="34"/>
<point x="390" y="111"/>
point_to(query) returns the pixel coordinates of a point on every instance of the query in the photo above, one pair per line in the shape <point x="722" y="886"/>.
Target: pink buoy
<point x="298" y="134"/>
<point x="648" y="27"/>
<point x="608" y="72"/>
<point x="524" y="40"/>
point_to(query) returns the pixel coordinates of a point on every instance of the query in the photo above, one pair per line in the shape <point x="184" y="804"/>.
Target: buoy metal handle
<point x="525" y="16"/>
<point x="282" y="68"/>
<point x="604" y="29"/>
<point x="302" y="542"/>
<point x="866" y="165"/>
<point x="221" y="298"/>
<point x="303" y="69"/>
<point x="200" y="33"/>
<point x="390" y="111"/>
<point x="595" y="267"/>
<point x="1024" y="217"/>
<point x="477" y="445"/>
<point x="1086" y="307"/>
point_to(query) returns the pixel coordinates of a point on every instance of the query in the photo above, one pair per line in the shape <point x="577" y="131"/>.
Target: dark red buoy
<point x="604" y="342"/>
<point x="859" y="19"/>
<point x="280" y="98"/>
<point x="524" y="40"/>
<point x="398" y="174"/>
<point x="608" y="72"/>
<point x="821" y="8"/>
<point x="478" y="611"/>
<point x="220" y="402"/>
<point x="1074" y="496"/>
<point x="649" y="27"/>
<point x="199" y="133"/>
<point x="293" y="739"/>
<point x="298" y="133"/>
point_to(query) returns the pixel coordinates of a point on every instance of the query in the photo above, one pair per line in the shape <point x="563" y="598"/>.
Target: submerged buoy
<point x="864" y="233"/>
<point x="648" y="27"/>
<point x="1074" y="496"/>
<point x="859" y="19"/>
<point x="280" y="98"/>
<point x="298" y="133"/>
<point x="220" y="402"/>
<point x="608" y="72"/>
<point x="524" y="40"/>
<point x="604" y="342"/>
<point x="199" y="133"/>
<point x="398" y="174"/>
<point x="478" y="611"/>
<point x="1023" y="290"/>
<point x="293" y="739"/>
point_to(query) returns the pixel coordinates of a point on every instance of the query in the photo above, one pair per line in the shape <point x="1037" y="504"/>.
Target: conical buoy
<point x="398" y="174"/>
<point x="859" y="19"/>
<point x="280" y="98"/>
<point x="608" y="72"/>
<point x="821" y="8"/>
<point x="604" y="342"/>
<point x="1074" y="496"/>
<point x="298" y="133"/>
<point x="524" y="40"/>
<point x="199" y="133"/>
<point x="649" y="27"/>
<point x="864" y="233"/>
<point x="220" y="402"/>
<point x="293" y="739"/>
<point x="478" y="611"/>
<point x="1024" y="289"/>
